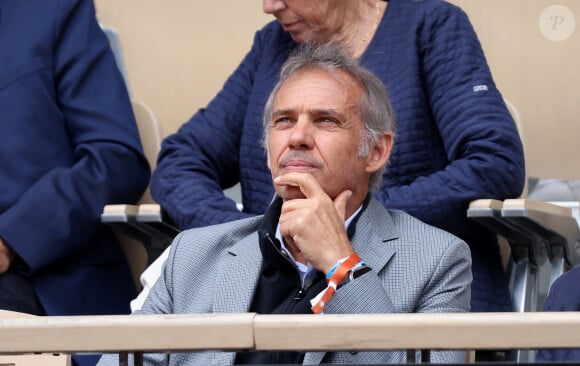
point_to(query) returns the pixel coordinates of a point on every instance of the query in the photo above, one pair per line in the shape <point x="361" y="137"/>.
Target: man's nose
<point x="272" y="6"/>
<point x="302" y="135"/>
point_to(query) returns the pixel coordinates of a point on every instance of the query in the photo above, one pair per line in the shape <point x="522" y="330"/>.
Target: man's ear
<point x="379" y="154"/>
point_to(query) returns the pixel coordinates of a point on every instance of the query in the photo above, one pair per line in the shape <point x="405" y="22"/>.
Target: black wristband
<point x="358" y="271"/>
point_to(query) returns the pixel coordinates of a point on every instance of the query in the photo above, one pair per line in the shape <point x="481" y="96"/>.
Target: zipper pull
<point x="299" y="295"/>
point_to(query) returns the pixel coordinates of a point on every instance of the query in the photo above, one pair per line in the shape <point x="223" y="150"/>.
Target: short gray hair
<point x="375" y="107"/>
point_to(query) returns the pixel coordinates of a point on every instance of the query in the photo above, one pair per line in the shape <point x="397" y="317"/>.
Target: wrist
<point x="333" y="269"/>
<point x="340" y="271"/>
<point x="335" y="278"/>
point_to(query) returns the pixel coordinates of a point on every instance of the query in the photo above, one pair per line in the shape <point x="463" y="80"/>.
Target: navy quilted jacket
<point x="455" y="141"/>
<point x="563" y="296"/>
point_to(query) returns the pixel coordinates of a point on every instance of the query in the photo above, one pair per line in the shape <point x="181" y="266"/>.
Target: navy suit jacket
<point x="564" y="295"/>
<point x="68" y="146"/>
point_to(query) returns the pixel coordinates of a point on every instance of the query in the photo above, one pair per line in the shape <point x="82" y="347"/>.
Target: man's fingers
<point x="306" y="182"/>
<point x="340" y="203"/>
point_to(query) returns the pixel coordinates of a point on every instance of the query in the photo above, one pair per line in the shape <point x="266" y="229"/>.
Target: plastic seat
<point x="151" y="137"/>
<point x="539" y="233"/>
<point x="142" y="229"/>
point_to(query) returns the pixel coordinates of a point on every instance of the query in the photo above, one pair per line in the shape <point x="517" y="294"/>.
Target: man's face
<point x="316" y="129"/>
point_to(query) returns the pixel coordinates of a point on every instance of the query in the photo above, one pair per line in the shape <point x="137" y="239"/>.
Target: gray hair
<point x="375" y="107"/>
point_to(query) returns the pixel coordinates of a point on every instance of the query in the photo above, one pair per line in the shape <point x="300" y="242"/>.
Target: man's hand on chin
<point x="313" y="226"/>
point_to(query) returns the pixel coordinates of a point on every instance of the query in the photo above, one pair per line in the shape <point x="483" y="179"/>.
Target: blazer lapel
<point x="237" y="276"/>
<point x="375" y="230"/>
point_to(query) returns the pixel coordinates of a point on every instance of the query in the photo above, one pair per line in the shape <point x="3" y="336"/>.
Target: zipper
<point x="299" y="295"/>
<point x="301" y="290"/>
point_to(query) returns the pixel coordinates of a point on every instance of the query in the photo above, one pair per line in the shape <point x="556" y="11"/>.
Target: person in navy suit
<point x="564" y="295"/>
<point x="68" y="145"/>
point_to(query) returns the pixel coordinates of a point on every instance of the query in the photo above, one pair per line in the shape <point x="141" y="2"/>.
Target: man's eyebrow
<point x="280" y="112"/>
<point x="331" y="111"/>
<point x="318" y="111"/>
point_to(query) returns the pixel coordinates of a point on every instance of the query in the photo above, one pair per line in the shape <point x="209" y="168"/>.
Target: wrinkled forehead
<point x="313" y="86"/>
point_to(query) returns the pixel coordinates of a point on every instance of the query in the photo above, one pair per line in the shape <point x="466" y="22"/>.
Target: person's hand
<point x="7" y="255"/>
<point x="313" y="227"/>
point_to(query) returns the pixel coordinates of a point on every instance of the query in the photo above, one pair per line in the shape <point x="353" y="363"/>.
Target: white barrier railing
<point x="249" y="331"/>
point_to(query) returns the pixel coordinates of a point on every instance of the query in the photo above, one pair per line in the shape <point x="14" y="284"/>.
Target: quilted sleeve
<point x="483" y="148"/>
<point x="202" y="158"/>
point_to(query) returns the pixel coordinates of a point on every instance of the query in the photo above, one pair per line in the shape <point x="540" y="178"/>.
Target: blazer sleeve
<point x="59" y="214"/>
<point x="481" y="140"/>
<point x="202" y="158"/>
<point x="159" y="300"/>
<point x="447" y="291"/>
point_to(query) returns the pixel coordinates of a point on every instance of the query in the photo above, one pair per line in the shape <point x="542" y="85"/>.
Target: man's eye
<point x="282" y="120"/>
<point x="328" y="120"/>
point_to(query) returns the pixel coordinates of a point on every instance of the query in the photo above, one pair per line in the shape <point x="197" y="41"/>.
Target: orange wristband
<point x="337" y="277"/>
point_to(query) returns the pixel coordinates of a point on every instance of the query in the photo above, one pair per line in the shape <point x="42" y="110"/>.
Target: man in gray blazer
<point x="324" y="245"/>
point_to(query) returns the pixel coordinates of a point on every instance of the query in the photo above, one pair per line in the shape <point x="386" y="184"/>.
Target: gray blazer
<point x="416" y="268"/>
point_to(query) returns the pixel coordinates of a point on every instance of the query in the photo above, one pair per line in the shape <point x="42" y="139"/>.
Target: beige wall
<point x="538" y="75"/>
<point x="178" y="53"/>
